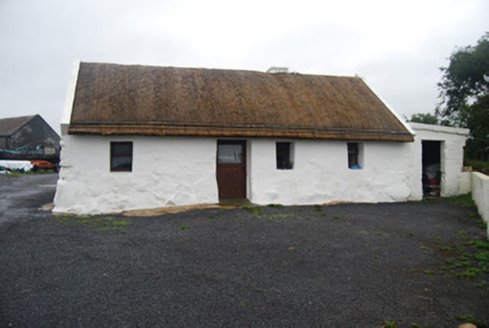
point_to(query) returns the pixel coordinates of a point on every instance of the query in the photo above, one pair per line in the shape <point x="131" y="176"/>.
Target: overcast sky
<point x="396" y="46"/>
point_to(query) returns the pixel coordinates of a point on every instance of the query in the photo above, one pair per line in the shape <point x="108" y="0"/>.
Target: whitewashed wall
<point x="166" y="172"/>
<point x="182" y="171"/>
<point x="321" y="173"/>
<point x="480" y="194"/>
<point x="454" y="181"/>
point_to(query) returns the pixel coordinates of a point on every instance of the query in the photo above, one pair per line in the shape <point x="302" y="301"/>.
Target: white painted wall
<point x="173" y="171"/>
<point x="166" y="172"/>
<point x="480" y="194"/>
<point x="454" y="180"/>
<point x="321" y="173"/>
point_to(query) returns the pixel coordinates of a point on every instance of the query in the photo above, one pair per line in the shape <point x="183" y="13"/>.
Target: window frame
<point x="115" y="154"/>
<point x="288" y="162"/>
<point x="354" y="153"/>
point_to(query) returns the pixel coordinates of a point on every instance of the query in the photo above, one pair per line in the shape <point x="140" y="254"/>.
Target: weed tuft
<point x="469" y="273"/>
<point x="482" y="284"/>
<point x="254" y="210"/>
<point x="105" y="223"/>
<point x="463" y="200"/>
<point x="481" y="256"/>
<point x="450" y="261"/>
<point x="275" y="205"/>
<point x="480" y="244"/>
<point x="470" y="319"/>
<point x="482" y="224"/>
<point x="390" y="324"/>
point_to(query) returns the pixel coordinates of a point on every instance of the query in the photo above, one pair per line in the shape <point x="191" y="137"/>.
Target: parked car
<point x="43" y="165"/>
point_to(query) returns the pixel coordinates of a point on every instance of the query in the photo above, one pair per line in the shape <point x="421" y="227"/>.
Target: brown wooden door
<point x="231" y="169"/>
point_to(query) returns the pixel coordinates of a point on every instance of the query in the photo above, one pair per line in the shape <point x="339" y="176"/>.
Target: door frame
<point x="243" y="166"/>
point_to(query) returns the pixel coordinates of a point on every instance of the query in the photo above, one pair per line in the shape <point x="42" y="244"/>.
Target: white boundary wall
<point x="480" y="194"/>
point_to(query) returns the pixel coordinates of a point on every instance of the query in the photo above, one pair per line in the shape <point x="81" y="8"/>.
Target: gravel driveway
<point x="347" y="265"/>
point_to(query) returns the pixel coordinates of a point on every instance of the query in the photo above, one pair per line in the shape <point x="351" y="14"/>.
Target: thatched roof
<point x="144" y="100"/>
<point x="9" y="126"/>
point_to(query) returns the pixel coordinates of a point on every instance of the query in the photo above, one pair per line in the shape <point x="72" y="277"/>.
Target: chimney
<point x="277" y="69"/>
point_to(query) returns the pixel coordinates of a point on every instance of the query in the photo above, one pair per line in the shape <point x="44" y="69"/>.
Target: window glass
<point x="121" y="156"/>
<point x="284" y="156"/>
<point x="121" y="148"/>
<point x="229" y="153"/>
<point x="353" y="154"/>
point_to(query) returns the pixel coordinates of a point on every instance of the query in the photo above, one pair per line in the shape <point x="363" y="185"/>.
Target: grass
<point x="468" y="259"/>
<point x="254" y="210"/>
<point x="470" y="319"/>
<point x="482" y="284"/>
<point x="469" y="273"/>
<point x="100" y="223"/>
<point x="463" y="200"/>
<point x="318" y="208"/>
<point x="390" y="324"/>
<point x="471" y="261"/>
<point x="450" y="261"/>
<point x="480" y="244"/>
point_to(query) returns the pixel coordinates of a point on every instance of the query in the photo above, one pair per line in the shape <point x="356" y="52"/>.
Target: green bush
<point x="479" y="166"/>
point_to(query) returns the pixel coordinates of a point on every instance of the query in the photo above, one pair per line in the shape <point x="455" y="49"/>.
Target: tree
<point x="424" y="118"/>
<point x="464" y="93"/>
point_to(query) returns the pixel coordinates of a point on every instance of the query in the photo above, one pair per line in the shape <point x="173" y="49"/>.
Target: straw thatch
<point x="144" y="100"/>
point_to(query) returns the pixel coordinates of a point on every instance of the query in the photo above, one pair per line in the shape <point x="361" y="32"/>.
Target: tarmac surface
<point x="345" y="265"/>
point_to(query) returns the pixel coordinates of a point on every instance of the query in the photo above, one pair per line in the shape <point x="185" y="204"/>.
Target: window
<point x="49" y="150"/>
<point x="229" y="153"/>
<point x="353" y="156"/>
<point x="121" y="156"/>
<point x="285" y="160"/>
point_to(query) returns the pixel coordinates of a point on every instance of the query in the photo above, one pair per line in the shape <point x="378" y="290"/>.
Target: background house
<point x="146" y="137"/>
<point x="28" y="138"/>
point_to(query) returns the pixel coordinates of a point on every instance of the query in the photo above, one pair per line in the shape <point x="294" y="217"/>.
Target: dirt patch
<point x="173" y="209"/>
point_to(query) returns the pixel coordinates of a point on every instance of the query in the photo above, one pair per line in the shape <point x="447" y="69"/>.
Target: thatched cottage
<point x="138" y="137"/>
